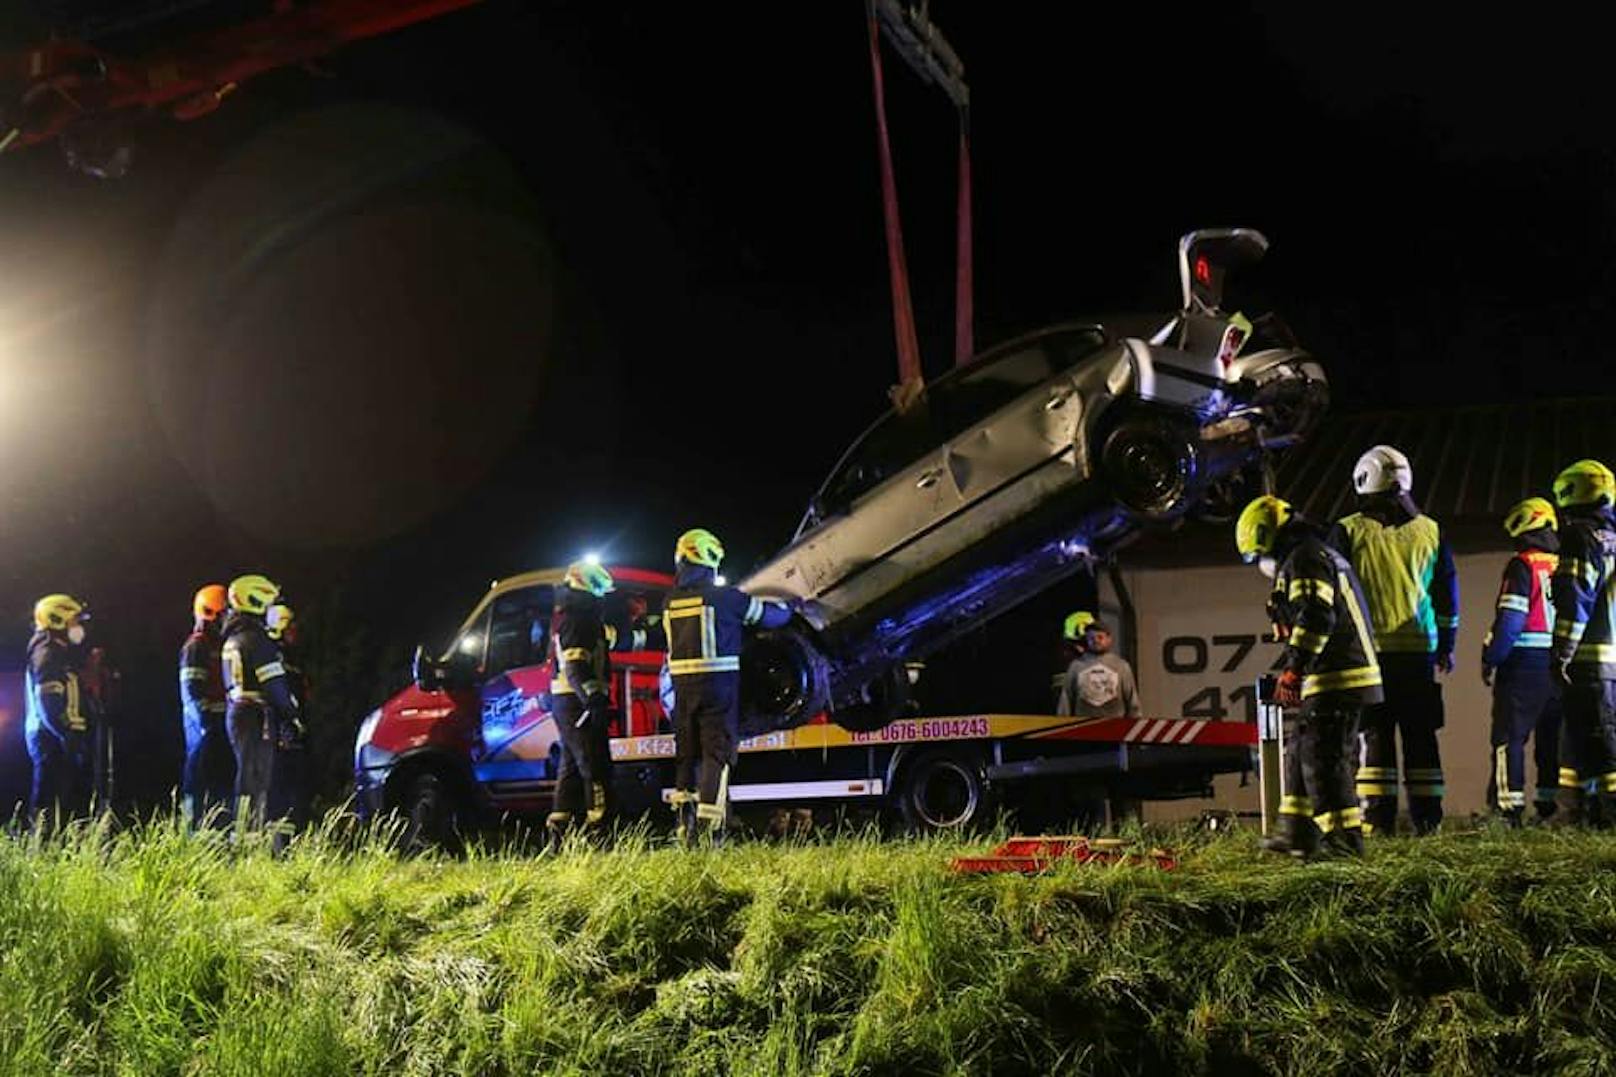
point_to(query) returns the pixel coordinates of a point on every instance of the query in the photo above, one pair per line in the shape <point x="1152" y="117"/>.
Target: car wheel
<point x="1149" y="464"/>
<point x="883" y="699"/>
<point x="430" y="814"/>
<point x="783" y="682"/>
<point x="944" y="791"/>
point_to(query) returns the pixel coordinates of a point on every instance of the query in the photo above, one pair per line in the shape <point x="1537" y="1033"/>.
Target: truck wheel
<point x="944" y="790"/>
<point x="1149" y="464"/>
<point x="429" y="812"/>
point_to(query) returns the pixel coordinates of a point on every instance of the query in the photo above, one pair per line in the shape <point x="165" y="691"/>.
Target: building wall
<point x="1199" y="654"/>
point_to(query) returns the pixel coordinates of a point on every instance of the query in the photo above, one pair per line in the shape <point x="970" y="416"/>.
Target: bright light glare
<point x="471" y="644"/>
<point x="721" y="581"/>
<point x="591" y="558"/>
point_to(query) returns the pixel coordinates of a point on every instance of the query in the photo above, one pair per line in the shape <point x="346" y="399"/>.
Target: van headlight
<point x="367" y="729"/>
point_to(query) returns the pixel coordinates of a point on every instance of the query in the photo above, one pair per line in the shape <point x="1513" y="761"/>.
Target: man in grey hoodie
<point x="1099" y="684"/>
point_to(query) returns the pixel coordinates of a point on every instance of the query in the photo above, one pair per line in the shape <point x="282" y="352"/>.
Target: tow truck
<point x="471" y="740"/>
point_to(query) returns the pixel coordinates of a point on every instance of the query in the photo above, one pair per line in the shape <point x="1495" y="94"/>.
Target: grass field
<point x="148" y="952"/>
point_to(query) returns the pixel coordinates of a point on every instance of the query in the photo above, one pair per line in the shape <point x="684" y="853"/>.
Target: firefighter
<point x="580" y="703"/>
<point x="260" y="695"/>
<point x="1584" y="649"/>
<point x="289" y="777"/>
<point x="1407" y="571"/>
<point x="1515" y="663"/>
<point x="1329" y="674"/>
<point x="58" y="722"/>
<point x="705" y="623"/>
<point x="641" y="629"/>
<point x="209" y="777"/>
<point x="1074" y="633"/>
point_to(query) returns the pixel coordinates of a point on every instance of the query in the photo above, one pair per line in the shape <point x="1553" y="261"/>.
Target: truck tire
<point x="944" y="790"/>
<point x="1149" y="463"/>
<point x="430" y="813"/>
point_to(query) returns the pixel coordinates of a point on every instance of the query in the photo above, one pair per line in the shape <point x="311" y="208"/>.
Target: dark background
<point x="540" y="278"/>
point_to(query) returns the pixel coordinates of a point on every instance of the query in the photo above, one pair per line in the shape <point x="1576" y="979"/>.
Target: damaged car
<point x="1034" y="461"/>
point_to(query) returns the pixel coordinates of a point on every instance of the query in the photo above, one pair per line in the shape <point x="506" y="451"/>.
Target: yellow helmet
<point x="209" y="602"/>
<point x="57" y="613"/>
<point x="1076" y="624"/>
<point x="277" y="620"/>
<point x="699" y="547"/>
<point x="1586" y="482"/>
<point x="585" y="576"/>
<point x="1529" y="515"/>
<point x="1258" y="526"/>
<point x="253" y="594"/>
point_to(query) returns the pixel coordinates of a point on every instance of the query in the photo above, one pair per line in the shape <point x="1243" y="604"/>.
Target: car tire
<point x="944" y="791"/>
<point x="885" y="698"/>
<point x="784" y="682"/>
<point x="430" y="814"/>
<point x="1149" y="463"/>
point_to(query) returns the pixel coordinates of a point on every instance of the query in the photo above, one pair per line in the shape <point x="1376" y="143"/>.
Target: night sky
<point x="538" y="278"/>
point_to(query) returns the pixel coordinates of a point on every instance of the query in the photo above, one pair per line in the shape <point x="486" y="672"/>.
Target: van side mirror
<point x="425" y="671"/>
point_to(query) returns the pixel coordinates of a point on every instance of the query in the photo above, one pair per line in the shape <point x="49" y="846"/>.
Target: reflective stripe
<point x="1511" y="799"/>
<point x="754" y="611"/>
<point x="1308" y="642"/>
<point x="191" y="673"/>
<point x="1534" y="641"/>
<point x="1507" y="798"/>
<point x="685" y="603"/>
<point x="1340" y="680"/>
<point x="1344" y="819"/>
<point x="712" y="813"/>
<point x="1309" y="588"/>
<point x="241" y="695"/>
<point x="1376" y="789"/>
<point x="1447" y="622"/>
<point x="269" y="671"/>
<point x="1607" y="782"/>
<point x="1378" y="772"/>
<point x="1601" y="653"/>
<point x="680" y="667"/>
<point x="1425" y="774"/>
<point x="1519" y="603"/>
<point x="1569" y="779"/>
<point x="1290" y="805"/>
<point x="576" y="654"/>
<point x="1566" y="628"/>
<point x="53" y="688"/>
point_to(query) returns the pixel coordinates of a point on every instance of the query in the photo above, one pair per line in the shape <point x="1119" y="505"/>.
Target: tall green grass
<point x="148" y="951"/>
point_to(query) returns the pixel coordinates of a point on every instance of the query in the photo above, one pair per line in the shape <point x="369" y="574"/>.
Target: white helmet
<point x="1382" y="469"/>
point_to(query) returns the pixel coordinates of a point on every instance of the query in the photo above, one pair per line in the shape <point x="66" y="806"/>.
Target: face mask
<point x="75" y="634"/>
<point x="1268" y="566"/>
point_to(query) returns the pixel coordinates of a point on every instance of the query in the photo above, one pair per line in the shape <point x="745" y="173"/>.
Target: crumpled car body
<point x="1040" y="457"/>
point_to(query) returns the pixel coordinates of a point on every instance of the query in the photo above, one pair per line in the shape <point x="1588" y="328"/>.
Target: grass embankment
<point x="150" y="953"/>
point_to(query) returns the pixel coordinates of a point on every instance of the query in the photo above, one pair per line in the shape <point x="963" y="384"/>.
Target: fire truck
<point x="472" y="741"/>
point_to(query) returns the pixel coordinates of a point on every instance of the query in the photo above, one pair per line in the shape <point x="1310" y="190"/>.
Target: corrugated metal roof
<point x="1470" y="464"/>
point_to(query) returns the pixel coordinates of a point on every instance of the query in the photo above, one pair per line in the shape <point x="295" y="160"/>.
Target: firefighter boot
<point x="684" y="814"/>
<point x="555" y="831"/>
<point x="1342" y="843"/>
<point x="1296" y="835"/>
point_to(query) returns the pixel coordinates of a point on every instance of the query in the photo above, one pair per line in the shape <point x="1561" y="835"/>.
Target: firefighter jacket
<point x="1524" y="621"/>
<point x="1406" y="568"/>
<point x="255" y="671"/>
<point x="1318" y="597"/>
<point x="201" y="677"/>
<point x="578" y="662"/>
<point x="56" y="704"/>
<point x="639" y="634"/>
<point x="705" y="623"/>
<point x="1584" y="593"/>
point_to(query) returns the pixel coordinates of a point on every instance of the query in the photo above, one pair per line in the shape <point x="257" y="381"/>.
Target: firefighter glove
<point x="1288" y="689"/>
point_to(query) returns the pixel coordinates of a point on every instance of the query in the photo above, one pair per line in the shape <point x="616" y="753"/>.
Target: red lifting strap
<point x="903" y="313"/>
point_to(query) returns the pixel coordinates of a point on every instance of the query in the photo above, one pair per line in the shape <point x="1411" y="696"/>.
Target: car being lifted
<point x="1007" y="474"/>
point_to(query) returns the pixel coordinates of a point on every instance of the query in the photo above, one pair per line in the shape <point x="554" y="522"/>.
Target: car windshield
<point x="951" y="404"/>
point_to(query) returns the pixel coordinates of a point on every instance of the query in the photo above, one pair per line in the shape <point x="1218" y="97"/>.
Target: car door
<point x="520" y="743"/>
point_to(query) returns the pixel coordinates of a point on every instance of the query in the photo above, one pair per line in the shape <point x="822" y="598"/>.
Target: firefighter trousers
<point x="1526" y="704"/>
<point x="1590" y="714"/>
<point x="250" y="738"/>
<point x="61" y="782"/>
<point x="209" y="778"/>
<point x="1317" y="796"/>
<point x="1412" y="710"/>
<point x="706" y="731"/>
<point x="583" y="791"/>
